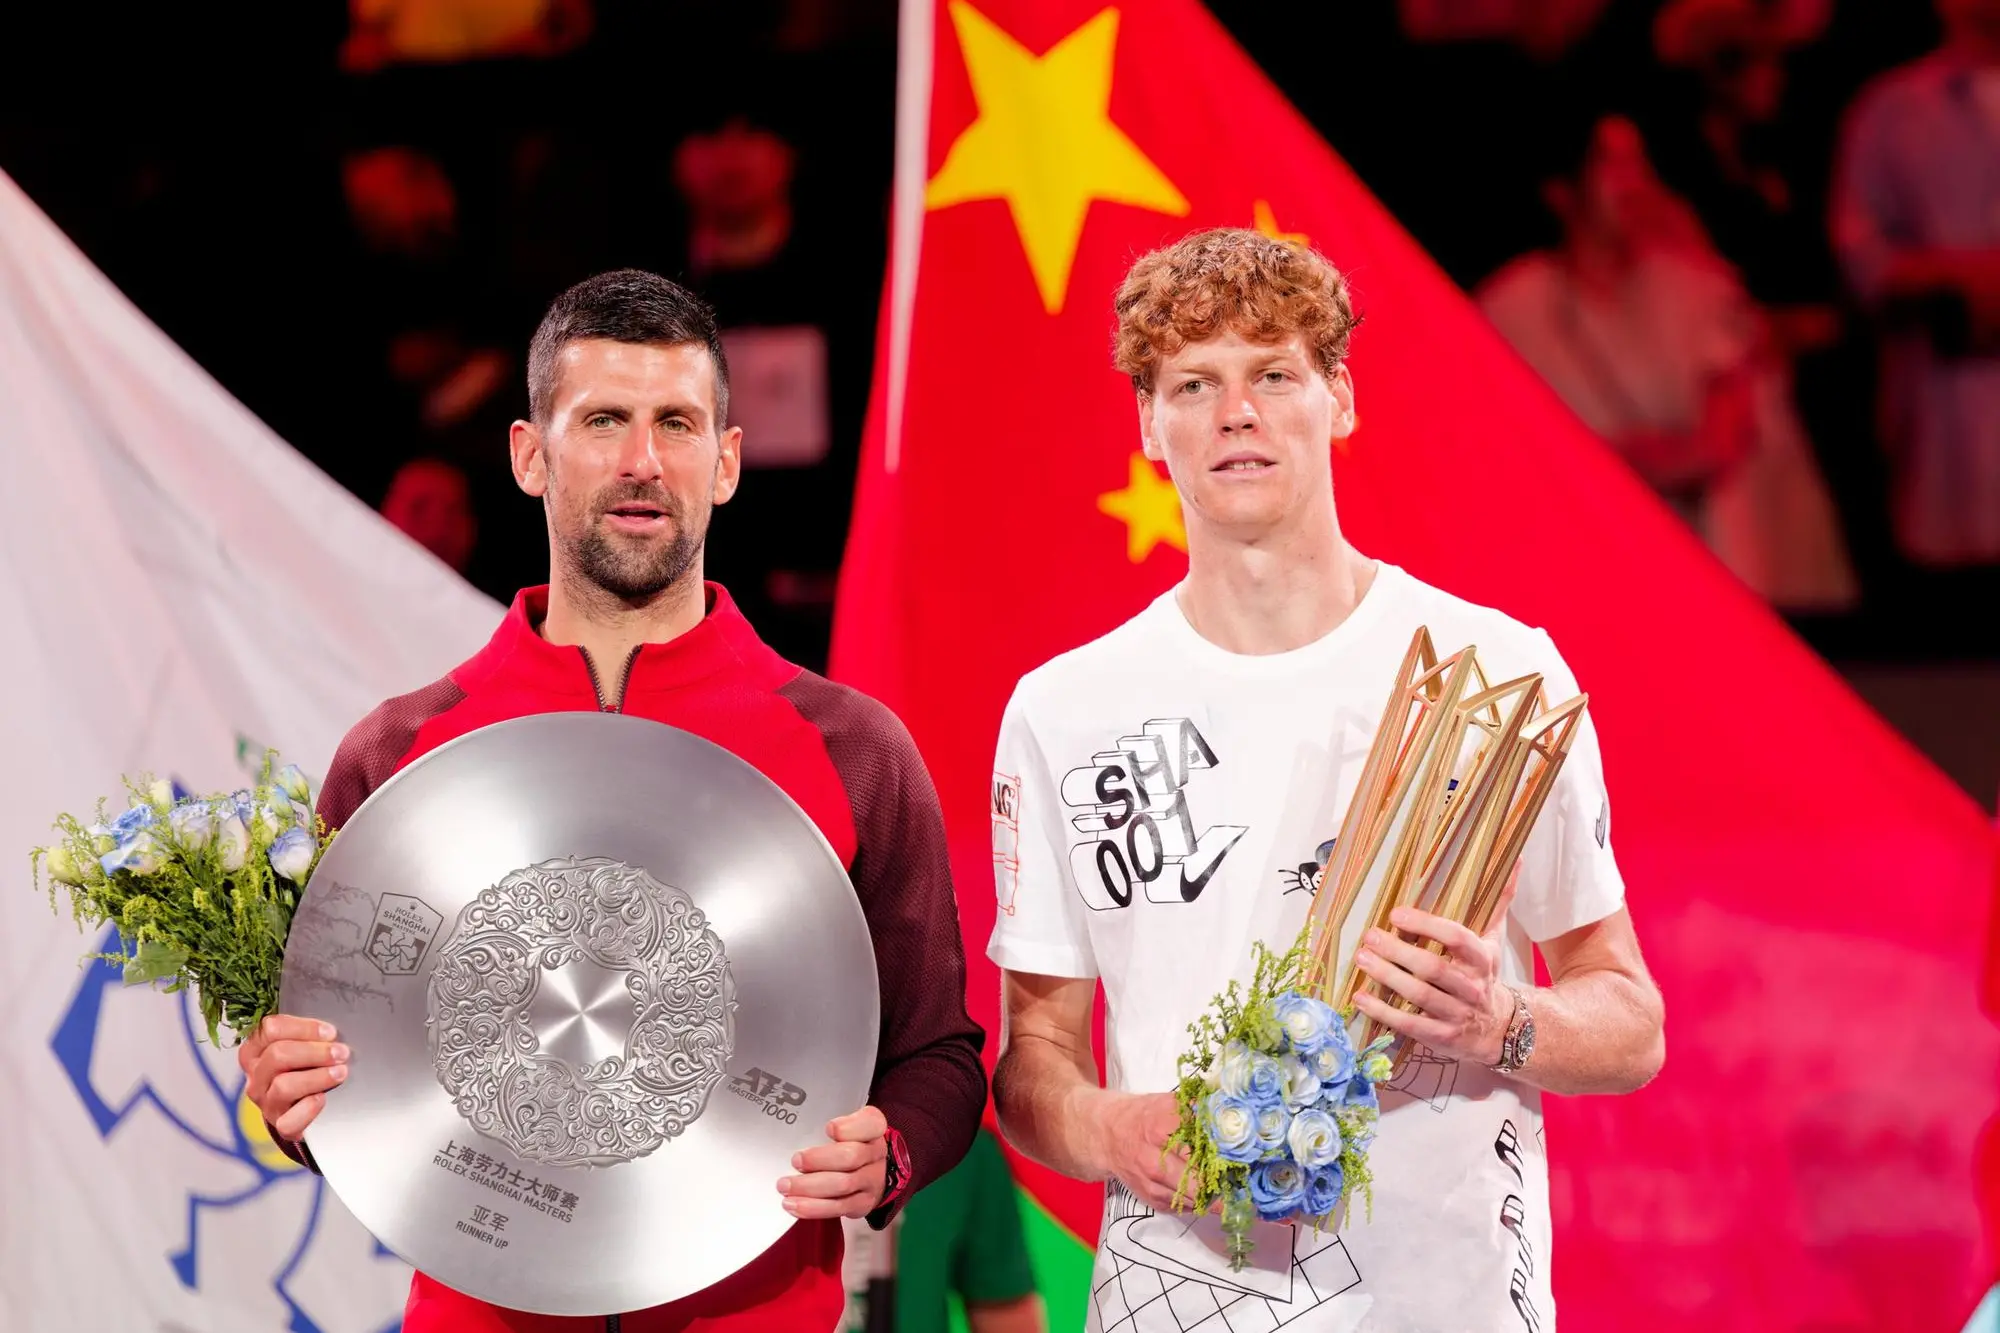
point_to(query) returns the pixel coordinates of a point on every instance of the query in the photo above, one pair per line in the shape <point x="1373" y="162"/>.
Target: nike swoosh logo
<point x="1206" y="857"/>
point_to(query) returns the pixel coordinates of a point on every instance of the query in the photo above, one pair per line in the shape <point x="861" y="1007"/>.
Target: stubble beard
<point x="633" y="571"/>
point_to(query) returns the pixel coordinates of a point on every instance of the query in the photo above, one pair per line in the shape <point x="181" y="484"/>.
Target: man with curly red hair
<point x="1166" y="782"/>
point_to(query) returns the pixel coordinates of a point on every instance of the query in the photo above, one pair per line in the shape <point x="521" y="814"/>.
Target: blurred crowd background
<point x="1754" y="243"/>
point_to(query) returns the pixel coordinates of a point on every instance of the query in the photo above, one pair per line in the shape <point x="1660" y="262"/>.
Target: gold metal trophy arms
<point x="1454" y="780"/>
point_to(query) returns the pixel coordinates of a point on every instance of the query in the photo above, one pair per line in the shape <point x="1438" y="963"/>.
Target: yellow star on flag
<point x="1150" y="509"/>
<point x="1045" y="143"/>
<point x="1264" y="220"/>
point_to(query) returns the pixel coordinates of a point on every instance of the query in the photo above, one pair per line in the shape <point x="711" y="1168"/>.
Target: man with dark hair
<point x="628" y="449"/>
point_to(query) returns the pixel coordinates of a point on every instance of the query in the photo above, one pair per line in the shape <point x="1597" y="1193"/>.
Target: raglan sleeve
<point x="929" y="1081"/>
<point x="1040" y="924"/>
<point x="1569" y="873"/>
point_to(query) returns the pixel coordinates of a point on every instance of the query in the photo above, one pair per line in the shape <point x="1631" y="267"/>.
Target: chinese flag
<point x="1811" y="894"/>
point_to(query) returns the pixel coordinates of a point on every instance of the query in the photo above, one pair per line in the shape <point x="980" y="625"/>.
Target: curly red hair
<point x="1230" y="279"/>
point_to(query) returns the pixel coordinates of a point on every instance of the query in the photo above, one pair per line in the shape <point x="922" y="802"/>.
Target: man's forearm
<point x="1600" y="1032"/>
<point x="1044" y="1102"/>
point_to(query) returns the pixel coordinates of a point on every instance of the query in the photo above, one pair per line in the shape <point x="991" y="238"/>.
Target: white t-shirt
<point x="1225" y="776"/>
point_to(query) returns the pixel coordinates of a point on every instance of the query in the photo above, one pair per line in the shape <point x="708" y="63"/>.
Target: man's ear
<point x="529" y="453"/>
<point x="1342" y="384"/>
<point x="728" y="464"/>
<point x="1146" y="445"/>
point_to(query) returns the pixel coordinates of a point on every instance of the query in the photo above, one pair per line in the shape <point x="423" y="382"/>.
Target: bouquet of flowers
<point x="200" y="888"/>
<point x="1277" y="1106"/>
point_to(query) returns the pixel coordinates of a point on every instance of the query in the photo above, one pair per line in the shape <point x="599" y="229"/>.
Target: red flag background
<point x="1811" y="893"/>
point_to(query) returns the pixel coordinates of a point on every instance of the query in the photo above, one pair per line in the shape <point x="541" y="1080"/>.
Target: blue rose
<point x="1357" y="1094"/>
<point x="1277" y="1188"/>
<point x="1267" y="1081"/>
<point x="1314" y="1139"/>
<point x="1271" y="1123"/>
<point x="140" y="854"/>
<point x="1324" y="1186"/>
<point x="132" y="821"/>
<point x="1308" y="1024"/>
<point x="292" y="854"/>
<point x="1334" y="1062"/>
<point x="1232" y="1124"/>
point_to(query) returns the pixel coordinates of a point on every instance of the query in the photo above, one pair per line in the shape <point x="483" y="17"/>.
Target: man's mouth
<point x="636" y="516"/>
<point x="1243" y="463"/>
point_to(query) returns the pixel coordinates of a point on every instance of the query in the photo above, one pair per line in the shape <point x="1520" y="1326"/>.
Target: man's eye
<point x="678" y="424"/>
<point x="602" y="421"/>
<point x="1274" y="377"/>
<point x="1191" y="388"/>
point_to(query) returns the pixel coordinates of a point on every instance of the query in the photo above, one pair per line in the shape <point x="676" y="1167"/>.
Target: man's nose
<point x="1235" y="414"/>
<point x="639" y="458"/>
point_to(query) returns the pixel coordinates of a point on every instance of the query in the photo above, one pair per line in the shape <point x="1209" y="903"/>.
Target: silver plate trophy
<point x="601" y="979"/>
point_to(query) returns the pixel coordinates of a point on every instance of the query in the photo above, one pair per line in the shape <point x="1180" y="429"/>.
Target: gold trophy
<point x="1454" y="780"/>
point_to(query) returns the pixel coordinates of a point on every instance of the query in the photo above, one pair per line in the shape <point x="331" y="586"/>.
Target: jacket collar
<point x="517" y="657"/>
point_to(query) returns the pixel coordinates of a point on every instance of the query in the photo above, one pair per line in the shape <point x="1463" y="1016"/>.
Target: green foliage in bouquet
<point x="200" y="889"/>
<point x="1277" y="1108"/>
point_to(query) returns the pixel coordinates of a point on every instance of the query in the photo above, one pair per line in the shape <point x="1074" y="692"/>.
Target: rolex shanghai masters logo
<point x="1134" y="800"/>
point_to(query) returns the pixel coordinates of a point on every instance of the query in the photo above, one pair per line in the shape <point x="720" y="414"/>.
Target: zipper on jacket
<point x="611" y="1323"/>
<point x="624" y="679"/>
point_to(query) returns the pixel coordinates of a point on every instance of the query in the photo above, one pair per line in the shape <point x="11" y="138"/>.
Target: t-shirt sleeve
<point x="1039" y="925"/>
<point x="993" y="1265"/>
<point x="1569" y="875"/>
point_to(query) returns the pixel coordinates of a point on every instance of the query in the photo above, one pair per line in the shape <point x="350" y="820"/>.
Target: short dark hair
<point x="626" y="305"/>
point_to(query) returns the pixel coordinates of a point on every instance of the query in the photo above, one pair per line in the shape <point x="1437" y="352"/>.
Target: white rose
<point x="1272" y="1125"/>
<point x="1232" y="1069"/>
<point x="232" y="840"/>
<point x="193" y="825"/>
<point x="1232" y="1123"/>
<point x="1302" y="1087"/>
<point x="292" y="855"/>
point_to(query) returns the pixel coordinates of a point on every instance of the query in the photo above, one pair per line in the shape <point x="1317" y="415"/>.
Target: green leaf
<point x="154" y="961"/>
<point x="211" y="1011"/>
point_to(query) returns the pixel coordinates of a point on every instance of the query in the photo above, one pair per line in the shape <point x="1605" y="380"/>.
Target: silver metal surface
<point x="601" y="979"/>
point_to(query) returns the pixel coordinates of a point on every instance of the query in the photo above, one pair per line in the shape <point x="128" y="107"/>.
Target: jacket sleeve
<point x="929" y="1081"/>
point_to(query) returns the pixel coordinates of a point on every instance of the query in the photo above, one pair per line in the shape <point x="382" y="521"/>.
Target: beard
<point x="629" y="569"/>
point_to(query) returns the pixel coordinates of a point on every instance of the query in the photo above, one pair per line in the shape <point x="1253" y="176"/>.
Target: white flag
<point x="179" y="589"/>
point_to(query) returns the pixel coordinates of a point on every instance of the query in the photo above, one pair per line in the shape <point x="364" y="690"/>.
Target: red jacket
<point x="852" y="767"/>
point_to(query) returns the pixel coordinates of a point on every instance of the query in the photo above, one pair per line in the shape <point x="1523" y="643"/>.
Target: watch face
<point x="1524" y="1045"/>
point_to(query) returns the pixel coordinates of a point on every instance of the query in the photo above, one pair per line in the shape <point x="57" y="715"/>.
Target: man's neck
<point x="1275" y="594"/>
<point x="609" y="628"/>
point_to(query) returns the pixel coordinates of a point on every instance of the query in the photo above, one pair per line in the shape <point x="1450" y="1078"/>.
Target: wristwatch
<point x="895" y="1175"/>
<point x="1519" y="1043"/>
